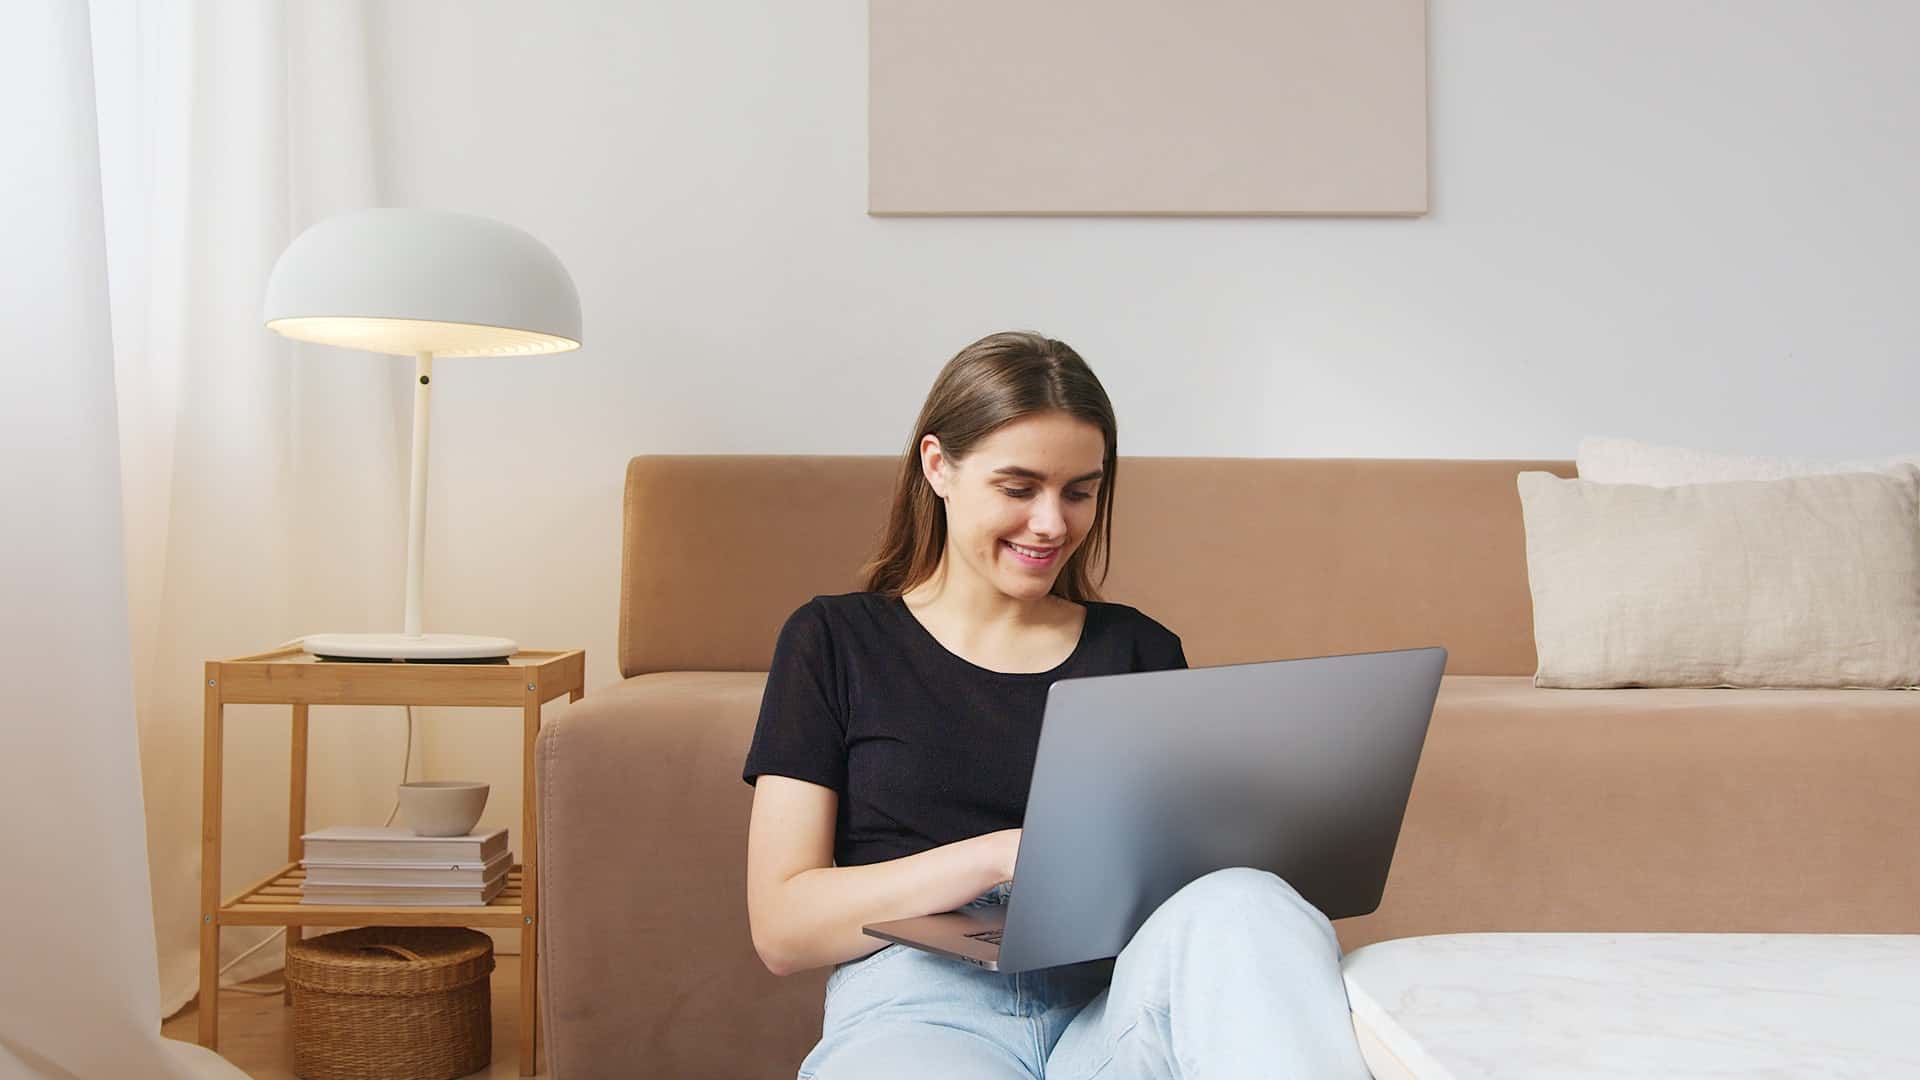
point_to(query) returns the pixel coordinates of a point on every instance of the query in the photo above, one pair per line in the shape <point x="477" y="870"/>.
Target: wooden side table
<point x="526" y="680"/>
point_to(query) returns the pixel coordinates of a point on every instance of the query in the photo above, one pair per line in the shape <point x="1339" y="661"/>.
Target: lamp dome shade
<point x="414" y="281"/>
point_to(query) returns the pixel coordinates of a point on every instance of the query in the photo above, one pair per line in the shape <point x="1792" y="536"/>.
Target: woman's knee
<point x="1232" y="897"/>
<point x="1219" y="929"/>
<point x="1236" y="886"/>
<point x="1235" y="882"/>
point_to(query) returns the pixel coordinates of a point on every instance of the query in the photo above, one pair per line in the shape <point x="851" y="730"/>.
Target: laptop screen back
<point x="1145" y="782"/>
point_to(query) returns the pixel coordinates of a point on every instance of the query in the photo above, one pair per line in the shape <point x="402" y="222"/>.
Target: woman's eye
<point x="1021" y="493"/>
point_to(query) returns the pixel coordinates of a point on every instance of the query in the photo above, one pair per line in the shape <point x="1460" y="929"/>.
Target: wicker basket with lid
<point x="408" y="1002"/>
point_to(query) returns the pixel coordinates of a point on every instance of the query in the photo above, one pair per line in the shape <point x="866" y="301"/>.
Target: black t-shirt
<point x="923" y="747"/>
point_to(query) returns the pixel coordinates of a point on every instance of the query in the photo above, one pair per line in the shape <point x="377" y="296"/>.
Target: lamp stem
<point x="417" y="488"/>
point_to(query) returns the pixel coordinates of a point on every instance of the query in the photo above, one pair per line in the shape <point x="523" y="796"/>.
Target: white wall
<point x="1688" y="222"/>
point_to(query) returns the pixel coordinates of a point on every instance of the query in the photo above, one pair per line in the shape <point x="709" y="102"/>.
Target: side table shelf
<point x="275" y="901"/>
<point x="527" y="680"/>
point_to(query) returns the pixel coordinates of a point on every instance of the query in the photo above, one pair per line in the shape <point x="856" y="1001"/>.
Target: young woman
<point x="894" y="747"/>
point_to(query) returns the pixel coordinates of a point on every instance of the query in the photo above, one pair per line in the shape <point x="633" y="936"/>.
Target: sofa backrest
<point x="1245" y="558"/>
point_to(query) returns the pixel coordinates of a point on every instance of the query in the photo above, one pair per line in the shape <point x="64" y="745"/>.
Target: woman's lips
<point x="1025" y="559"/>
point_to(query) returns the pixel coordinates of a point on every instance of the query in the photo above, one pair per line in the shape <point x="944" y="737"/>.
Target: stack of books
<point x="391" y="866"/>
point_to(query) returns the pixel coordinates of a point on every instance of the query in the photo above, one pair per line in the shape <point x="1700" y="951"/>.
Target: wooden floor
<point x="254" y="1033"/>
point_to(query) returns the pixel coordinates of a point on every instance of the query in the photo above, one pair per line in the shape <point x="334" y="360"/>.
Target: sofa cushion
<point x="1244" y="558"/>
<point x="1813" y="581"/>
<point x="1661" y="809"/>
<point x="1625" y="461"/>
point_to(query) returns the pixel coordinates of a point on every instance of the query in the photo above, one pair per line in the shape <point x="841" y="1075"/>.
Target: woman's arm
<point x="806" y="913"/>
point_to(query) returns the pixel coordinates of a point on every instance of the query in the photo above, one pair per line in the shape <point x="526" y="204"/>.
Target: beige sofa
<point x="1533" y="809"/>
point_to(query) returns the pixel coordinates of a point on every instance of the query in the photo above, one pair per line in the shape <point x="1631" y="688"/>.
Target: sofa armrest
<point x="646" y="961"/>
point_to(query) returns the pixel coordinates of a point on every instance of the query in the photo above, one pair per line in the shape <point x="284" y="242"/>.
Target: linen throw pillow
<point x="1625" y="461"/>
<point x="1806" y="582"/>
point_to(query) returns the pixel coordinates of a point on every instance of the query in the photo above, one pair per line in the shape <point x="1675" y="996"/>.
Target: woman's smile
<point x="1039" y="558"/>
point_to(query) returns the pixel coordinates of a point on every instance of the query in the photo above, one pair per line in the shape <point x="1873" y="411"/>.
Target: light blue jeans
<point x="1235" y="976"/>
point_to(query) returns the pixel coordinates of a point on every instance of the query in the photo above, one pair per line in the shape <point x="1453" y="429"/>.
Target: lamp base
<point x="418" y="648"/>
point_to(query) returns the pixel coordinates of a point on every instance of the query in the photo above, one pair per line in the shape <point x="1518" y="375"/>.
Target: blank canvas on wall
<point x="1147" y="107"/>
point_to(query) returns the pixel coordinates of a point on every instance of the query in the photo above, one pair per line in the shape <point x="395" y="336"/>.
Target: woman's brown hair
<point x="992" y="382"/>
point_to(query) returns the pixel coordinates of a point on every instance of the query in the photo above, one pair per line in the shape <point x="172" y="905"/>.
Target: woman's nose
<point x="1049" y="520"/>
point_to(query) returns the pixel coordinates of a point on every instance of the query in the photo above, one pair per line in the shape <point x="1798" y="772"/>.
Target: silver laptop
<point x="1145" y="782"/>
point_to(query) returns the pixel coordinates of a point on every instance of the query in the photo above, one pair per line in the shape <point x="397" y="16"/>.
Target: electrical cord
<point x="406" y="765"/>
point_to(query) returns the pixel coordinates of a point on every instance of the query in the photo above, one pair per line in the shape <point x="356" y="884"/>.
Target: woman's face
<point x="1022" y="502"/>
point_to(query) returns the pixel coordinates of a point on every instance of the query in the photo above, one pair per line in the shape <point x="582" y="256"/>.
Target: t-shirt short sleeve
<point x="1172" y="656"/>
<point x="1156" y="648"/>
<point x="802" y="731"/>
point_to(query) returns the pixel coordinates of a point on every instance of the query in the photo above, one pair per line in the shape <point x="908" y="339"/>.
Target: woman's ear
<point x="933" y="465"/>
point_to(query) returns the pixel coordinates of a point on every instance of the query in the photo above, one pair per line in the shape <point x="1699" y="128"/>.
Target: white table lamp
<point x="421" y="283"/>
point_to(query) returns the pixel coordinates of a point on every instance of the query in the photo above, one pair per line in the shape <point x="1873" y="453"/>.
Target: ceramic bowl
<point x="442" y="807"/>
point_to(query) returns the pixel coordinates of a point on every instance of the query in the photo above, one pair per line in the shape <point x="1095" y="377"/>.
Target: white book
<point x="445" y="873"/>
<point x="397" y="845"/>
<point x="403" y="895"/>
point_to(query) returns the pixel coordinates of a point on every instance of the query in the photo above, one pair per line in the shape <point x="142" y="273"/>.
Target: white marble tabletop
<point x="1465" y="1006"/>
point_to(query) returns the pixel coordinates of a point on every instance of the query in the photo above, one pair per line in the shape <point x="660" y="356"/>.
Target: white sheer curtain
<point x="265" y="481"/>
<point x="76" y="994"/>
<point x="161" y="155"/>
